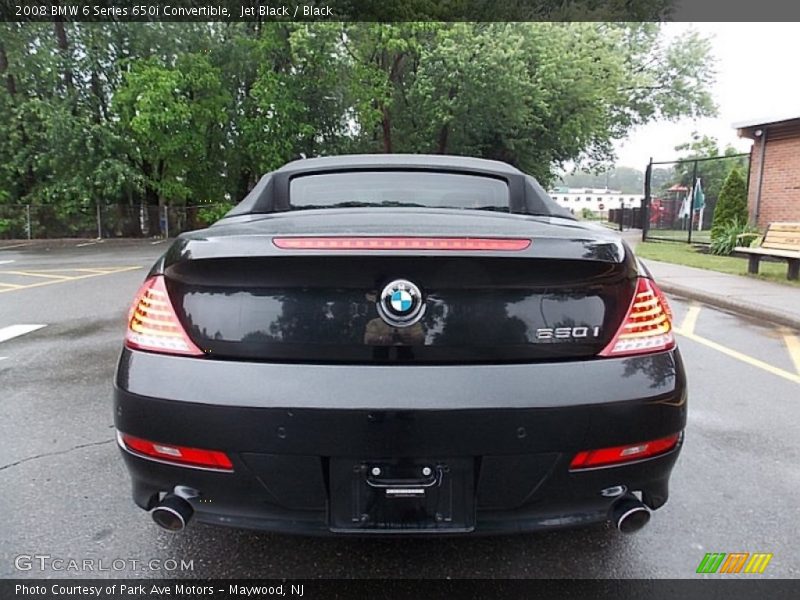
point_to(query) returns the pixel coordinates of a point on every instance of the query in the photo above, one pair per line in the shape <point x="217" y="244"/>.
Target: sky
<point x="756" y="66"/>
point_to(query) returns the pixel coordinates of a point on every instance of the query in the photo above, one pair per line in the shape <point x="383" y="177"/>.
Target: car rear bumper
<point x="288" y="427"/>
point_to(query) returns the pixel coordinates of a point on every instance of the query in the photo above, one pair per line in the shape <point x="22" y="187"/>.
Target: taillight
<point x="153" y="324"/>
<point x="180" y="455"/>
<point x="401" y="243"/>
<point x="647" y="326"/>
<point x="605" y="457"/>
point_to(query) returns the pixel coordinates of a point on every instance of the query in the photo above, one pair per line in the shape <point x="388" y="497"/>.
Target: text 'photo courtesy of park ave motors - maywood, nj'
<point x="156" y="590"/>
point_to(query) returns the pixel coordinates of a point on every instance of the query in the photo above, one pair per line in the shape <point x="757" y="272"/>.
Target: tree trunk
<point x="386" y="124"/>
<point x="163" y="225"/>
<point x="151" y="204"/>
<point x="150" y="200"/>
<point x="444" y="135"/>
<point x="243" y="184"/>
<point x="394" y="78"/>
<point x="63" y="46"/>
<point x="162" y="200"/>
<point x="11" y="85"/>
<point x="101" y="114"/>
<point x="444" y="130"/>
<point x="29" y="179"/>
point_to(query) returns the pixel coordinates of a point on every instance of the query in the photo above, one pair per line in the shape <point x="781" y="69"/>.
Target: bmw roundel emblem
<point x="400" y="303"/>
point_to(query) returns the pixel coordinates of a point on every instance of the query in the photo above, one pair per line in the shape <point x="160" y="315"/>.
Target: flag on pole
<point x="698" y="196"/>
<point x="684" y="211"/>
<point x="698" y="202"/>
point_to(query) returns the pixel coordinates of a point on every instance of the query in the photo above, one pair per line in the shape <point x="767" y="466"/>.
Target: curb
<point x="746" y="309"/>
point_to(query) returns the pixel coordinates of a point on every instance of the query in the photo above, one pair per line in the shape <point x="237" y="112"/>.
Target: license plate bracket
<point x="402" y="495"/>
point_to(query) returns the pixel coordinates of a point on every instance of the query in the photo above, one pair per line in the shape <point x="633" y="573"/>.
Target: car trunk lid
<point x="242" y="296"/>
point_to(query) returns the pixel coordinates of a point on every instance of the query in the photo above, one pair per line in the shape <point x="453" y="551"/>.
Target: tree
<point x="127" y="114"/>
<point x="732" y="204"/>
<point x="535" y="95"/>
<point x="175" y="117"/>
<point x="385" y="59"/>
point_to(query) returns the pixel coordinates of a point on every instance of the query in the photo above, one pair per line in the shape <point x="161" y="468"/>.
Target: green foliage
<point x="175" y="119"/>
<point x="725" y="237"/>
<point x="125" y="114"/>
<point x="731" y="208"/>
<point x="207" y="215"/>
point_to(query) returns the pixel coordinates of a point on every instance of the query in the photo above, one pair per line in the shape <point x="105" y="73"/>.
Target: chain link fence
<point x="681" y="195"/>
<point x="36" y="221"/>
<point x="626" y="217"/>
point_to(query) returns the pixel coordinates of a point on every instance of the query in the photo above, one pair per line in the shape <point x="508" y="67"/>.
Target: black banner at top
<point x="398" y="10"/>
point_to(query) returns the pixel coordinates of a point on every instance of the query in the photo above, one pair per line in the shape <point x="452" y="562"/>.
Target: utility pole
<point x="648" y="175"/>
<point x="99" y="222"/>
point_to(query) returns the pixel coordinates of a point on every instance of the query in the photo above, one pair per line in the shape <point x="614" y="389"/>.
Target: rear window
<point x="398" y="189"/>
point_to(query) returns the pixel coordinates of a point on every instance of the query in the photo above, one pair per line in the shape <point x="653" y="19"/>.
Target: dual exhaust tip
<point x="630" y="514"/>
<point x="173" y="513"/>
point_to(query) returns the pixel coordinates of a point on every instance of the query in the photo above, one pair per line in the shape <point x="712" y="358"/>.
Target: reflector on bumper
<point x="605" y="457"/>
<point x="179" y="455"/>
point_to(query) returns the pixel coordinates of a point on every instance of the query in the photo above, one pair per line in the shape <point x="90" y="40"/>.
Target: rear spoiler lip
<point x="612" y="251"/>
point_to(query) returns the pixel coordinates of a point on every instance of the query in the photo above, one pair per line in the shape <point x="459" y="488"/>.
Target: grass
<point x="703" y="236"/>
<point x="691" y="256"/>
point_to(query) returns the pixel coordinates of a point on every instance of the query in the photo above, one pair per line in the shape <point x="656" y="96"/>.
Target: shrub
<point x="732" y="234"/>
<point x="213" y="213"/>
<point x="731" y="206"/>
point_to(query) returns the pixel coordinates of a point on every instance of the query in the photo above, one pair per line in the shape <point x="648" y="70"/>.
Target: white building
<point x="597" y="200"/>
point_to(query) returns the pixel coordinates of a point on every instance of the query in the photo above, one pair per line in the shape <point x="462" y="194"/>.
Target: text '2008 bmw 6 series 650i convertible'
<point x="398" y="344"/>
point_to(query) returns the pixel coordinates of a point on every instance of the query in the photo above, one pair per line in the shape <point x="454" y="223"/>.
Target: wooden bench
<point x="782" y="240"/>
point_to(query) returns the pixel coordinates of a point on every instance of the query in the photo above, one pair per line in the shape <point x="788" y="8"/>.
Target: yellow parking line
<point x="72" y="270"/>
<point x="690" y="320"/>
<point x="10" y="285"/>
<point x="793" y="346"/>
<point x="75" y="278"/>
<point x="35" y="274"/>
<point x="739" y="356"/>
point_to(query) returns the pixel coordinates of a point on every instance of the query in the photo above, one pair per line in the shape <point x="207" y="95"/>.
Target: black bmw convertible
<point x="399" y="344"/>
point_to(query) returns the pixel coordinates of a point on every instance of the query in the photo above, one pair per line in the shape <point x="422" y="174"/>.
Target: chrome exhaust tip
<point x="630" y="514"/>
<point x="173" y="513"/>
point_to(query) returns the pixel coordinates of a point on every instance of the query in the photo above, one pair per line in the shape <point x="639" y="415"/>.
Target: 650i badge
<point x="567" y="333"/>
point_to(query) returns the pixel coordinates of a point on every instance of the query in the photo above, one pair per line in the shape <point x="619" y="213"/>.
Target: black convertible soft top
<point x="271" y="194"/>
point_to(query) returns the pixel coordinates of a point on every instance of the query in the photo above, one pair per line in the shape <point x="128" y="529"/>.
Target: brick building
<point x="774" y="187"/>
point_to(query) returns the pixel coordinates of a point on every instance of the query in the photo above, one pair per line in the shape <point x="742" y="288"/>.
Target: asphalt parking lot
<point x="64" y="491"/>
